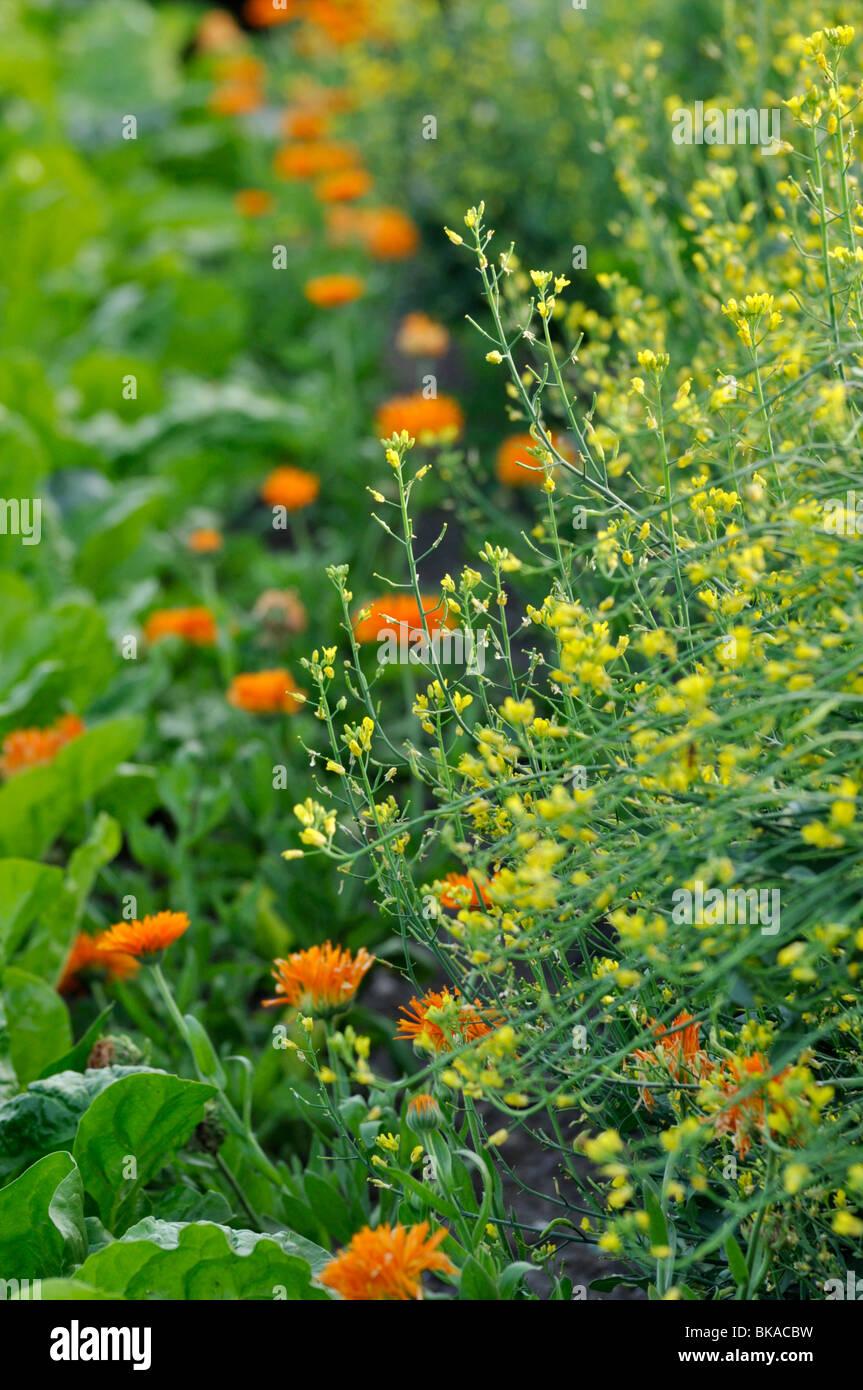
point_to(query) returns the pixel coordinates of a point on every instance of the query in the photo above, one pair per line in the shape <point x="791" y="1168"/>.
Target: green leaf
<point x="27" y="890"/>
<point x="42" y="1229"/>
<point x="134" y="1126"/>
<point x="736" y="1261"/>
<point x="38" y="1023"/>
<point x="476" y="1285"/>
<point x="172" y="1260"/>
<point x="72" y="1290"/>
<point x="36" y="805"/>
<point x="329" y="1207"/>
<point x="45" y="1117"/>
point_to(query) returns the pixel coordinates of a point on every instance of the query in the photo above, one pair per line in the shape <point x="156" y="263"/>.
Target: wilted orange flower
<point x="401" y="610"/>
<point x="344" y="225"/>
<point x="192" y="624"/>
<point x="236" y="98"/>
<point x="217" y="30"/>
<point x="432" y="420"/>
<point x="321" y="980"/>
<point x="329" y="291"/>
<point x="470" y="893"/>
<point x="261" y="13"/>
<point x="745" y="1115"/>
<point x="292" y="488"/>
<point x="420" y="336"/>
<point x="518" y="468"/>
<point x="458" y="1023"/>
<point x="253" y="202"/>
<point x="280" y="611"/>
<point x="344" y="186"/>
<point x="86" y="958"/>
<point x="26" y="748"/>
<point x="385" y="1264"/>
<point x="205" y="540"/>
<point x="265" y="692"/>
<point x="677" y="1052"/>
<point x="313" y="158"/>
<point x="300" y="123"/>
<point x="388" y="234"/>
<point x="147" y="937"/>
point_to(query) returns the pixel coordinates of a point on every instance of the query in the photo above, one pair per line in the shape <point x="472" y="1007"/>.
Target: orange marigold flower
<point x="26" y="748"/>
<point x="241" y="67"/>
<point x="385" y="1264"/>
<point x="265" y="692"/>
<point x="420" y="336"/>
<point x="300" y="123"/>
<point x="388" y="234"/>
<point x="262" y="13"/>
<point x="291" y="488"/>
<point x="313" y="158"/>
<point x="321" y="980"/>
<point x="469" y="892"/>
<point x="205" y="540"/>
<point x="192" y="624"/>
<point x="399" y="611"/>
<point x="341" y="22"/>
<point x="344" y="186"/>
<point x="432" y="420"/>
<point x="677" y="1052"/>
<point x="145" y="938"/>
<point x="747" y="1085"/>
<point x="236" y="99"/>
<point x="456" y="1022"/>
<point x="329" y="291"/>
<point x="253" y="202"/>
<point x="518" y="468"/>
<point x="86" y="958"/>
<point x="344" y="225"/>
<point x="217" y="31"/>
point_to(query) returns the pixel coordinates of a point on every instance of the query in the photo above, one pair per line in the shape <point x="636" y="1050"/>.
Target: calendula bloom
<point x="253" y="202"/>
<point x="430" y="420"/>
<point x="292" y="488"/>
<point x="518" y="468"/>
<point x="342" y="23"/>
<point x="205" y="540"/>
<point x="677" y="1052"/>
<point x="746" y="1084"/>
<point x="262" y="13"/>
<point x="423" y="1112"/>
<point x="320" y="980"/>
<point x="195" y="625"/>
<point x="313" y="158"/>
<point x="280" y="612"/>
<point x="217" y="31"/>
<point x="265" y="692"/>
<point x="86" y="959"/>
<point x="241" y="67"/>
<point x="389" y="235"/>
<point x="26" y="748"/>
<point x="401" y="612"/>
<point x="385" y="1264"/>
<point x="468" y="893"/>
<point x="300" y="123"/>
<point x="343" y="187"/>
<point x="146" y="937"/>
<point x="420" y="336"/>
<point x="331" y="291"/>
<point x="236" y="99"/>
<point x="454" y="1022"/>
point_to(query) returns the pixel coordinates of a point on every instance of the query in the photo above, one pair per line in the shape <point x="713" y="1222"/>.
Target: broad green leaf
<point x="72" y="1291"/>
<point x="45" y="1116"/>
<point x="329" y="1207"/>
<point x="27" y="890"/>
<point x="172" y="1260"/>
<point x="129" y="1132"/>
<point x="38" y="1023"/>
<point x="42" y="1229"/>
<point x="475" y="1284"/>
